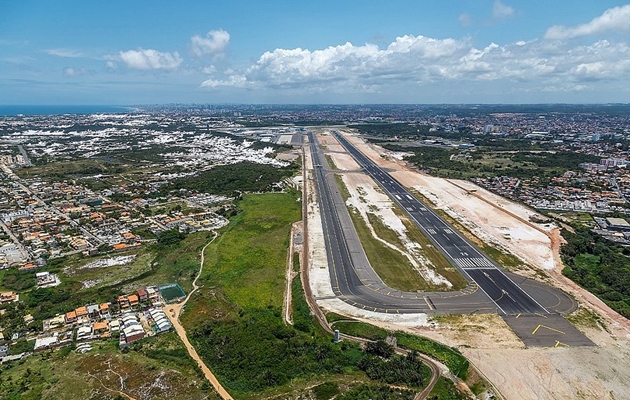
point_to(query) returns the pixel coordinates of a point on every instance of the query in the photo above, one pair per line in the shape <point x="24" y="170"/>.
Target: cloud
<point x="213" y="44"/>
<point x="65" y="53"/>
<point x="464" y="20"/>
<point x="616" y="19"/>
<point x="148" y="60"/>
<point x="501" y="11"/>
<point x="416" y="61"/>
<point x="74" y="72"/>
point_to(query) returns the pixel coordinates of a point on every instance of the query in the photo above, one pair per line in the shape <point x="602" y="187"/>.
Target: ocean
<point x="61" y="109"/>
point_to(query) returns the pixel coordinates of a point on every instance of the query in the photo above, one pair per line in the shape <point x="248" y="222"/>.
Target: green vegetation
<point x="601" y="267"/>
<point x="65" y="374"/>
<point x="170" y="237"/>
<point x="330" y="161"/>
<point x="233" y="179"/>
<point x="65" y="169"/>
<point x="441" y="264"/>
<point x="583" y="317"/>
<point x="302" y="319"/>
<point x="14" y="280"/>
<point x="444" y="389"/>
<point x="332" y="317"/>
<point x="248" y="347"/>
<point x="326" y="390"/>
<point x="497" y="157"/>
<point x="381" y="392"/>
<point x="244" y="341"/>
<point x="385" y="366"/>
<point x="400" y="130"/>
<point x="360" y="329"/>
<point x="452" y="358"/>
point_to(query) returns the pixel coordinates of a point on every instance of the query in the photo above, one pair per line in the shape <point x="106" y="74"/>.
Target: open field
<point x="235" y="320"/>
<point x="156" y="368"/>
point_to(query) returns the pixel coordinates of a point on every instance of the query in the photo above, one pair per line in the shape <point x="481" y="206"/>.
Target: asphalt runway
<point x="508" y="297"/>
<point x="546" y="331"/>
<point x="520" y="301"/>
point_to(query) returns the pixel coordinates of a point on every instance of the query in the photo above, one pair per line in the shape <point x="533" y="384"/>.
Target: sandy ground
<point x="518" y="373"/>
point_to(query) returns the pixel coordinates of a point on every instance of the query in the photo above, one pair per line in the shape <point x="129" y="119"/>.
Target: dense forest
<point x="601" y="267"/>
<point x="234" y="178"/>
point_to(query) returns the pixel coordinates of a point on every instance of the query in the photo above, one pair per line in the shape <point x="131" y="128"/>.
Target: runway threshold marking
<point x="544" y="326"/>
<point x="426" y="300"/>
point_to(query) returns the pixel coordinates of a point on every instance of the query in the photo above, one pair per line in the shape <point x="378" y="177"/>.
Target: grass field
<point x="235" y="319"/>
<point x="249" y="257"/>
<point x="360" y="329"/>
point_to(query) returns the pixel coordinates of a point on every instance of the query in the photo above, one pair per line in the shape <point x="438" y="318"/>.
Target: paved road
<point x="490" y="290"/>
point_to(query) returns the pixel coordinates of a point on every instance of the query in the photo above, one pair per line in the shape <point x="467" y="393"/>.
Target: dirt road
<point x="173" y="311"/>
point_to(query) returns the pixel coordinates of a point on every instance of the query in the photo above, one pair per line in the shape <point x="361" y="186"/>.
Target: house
<point x="84" y="333"/>
<point x="46" y="342"/>
<point x="46" y="279"/>
<point x="82" y="314"/>
<point x="129" y="237"/>
<point x="54" y="322"/>
<point x="114" y="325"/>
<point x="71" y="317"/>
<point x="132" y="329"/>
<point x="143" y="295"/>
<point x="162" y="324"/>
<point x="133" y="300"/>
<point x="123" y="302"/>
<point x="8" y="297"/>
<point x="93" y="311"/>
<point x="102" y="329"/>
<point x="104" y="310"/>
<point x="120" y="247"/>
<point x="28" y="267"/>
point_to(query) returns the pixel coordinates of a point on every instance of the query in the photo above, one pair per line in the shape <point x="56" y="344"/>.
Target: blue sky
<point x="271" y="51"/>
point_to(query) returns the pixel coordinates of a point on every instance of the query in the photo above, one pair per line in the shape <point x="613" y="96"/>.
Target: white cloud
<point x="616" y="19"/>
<point x="149" y="59"/>
<point x="500" y="10"/>
<point x="65" y="53"/>
<point x="416" y="61"/>
<point x="213" y="44"/>
<point x="209" y="70"/>
<point x="74" y="72"/>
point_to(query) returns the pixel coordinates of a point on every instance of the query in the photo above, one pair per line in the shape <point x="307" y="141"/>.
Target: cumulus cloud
<point x="213" y="44"/>
<point x="148" y="59"/>
<point x="419" y="61"/>
<point x="501" y="11"/>
<point x="616" y="19"/>
<point x="65" y="53"/>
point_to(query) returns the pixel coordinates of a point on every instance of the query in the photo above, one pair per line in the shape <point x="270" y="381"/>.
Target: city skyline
<point x="281" y="52"/>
